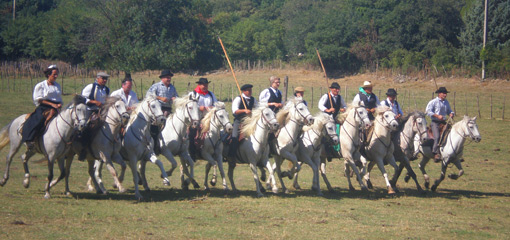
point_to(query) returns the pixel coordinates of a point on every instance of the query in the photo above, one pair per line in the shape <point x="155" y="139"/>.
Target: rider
<point x="95" y="95"/>
<point x="326" y="107"/>
<point x="437" y="109"/>
<point x="338" y="101"/>
<point x="47" y="98"/>
<point x="165" y="92"/>
<point x="272" y="96"/>
<point x="206" y="100"/>
<point x="395" y="108"/>
<point x="126" y="94"/>
<point x="368" y="98"/>
<point x="240" y="112"/>
<point x="300" y="92"/>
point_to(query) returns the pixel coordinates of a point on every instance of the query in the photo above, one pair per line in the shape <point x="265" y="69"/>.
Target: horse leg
<point x="14" y="148"/>
<point x="68" y="162"/>
<point x="186" y="158"/>
<point x="170" y="157"/>
<point x="392" y="162"/>
<point x="214" y="176"/>
<point x="380" y="165"/>
<point x="98" y="174"/>
<point x="207" y="169"/>
<point x="271" y="178"/>
<point x="143" y="166"/>
<point x="295" y="183"/>
<point x="367" y="169"/>
<point x="316" y="186"/>
<point x="92" y="169"/>
<point x="411" y="173"/>
<point x="444" y="166"/>
<point x="61" y="166"/>
<point x="231" y="167"/>
<point x="219" y="165"/>
<point x="352" y="164"/>
<point x="158" y="163"/>
<point x="25" y="157"/>
<point x="210" y="162"/>
<point x="278" y="163"/>
<point x="422" y="165"/>
<point x="322" y="169"/>
<point x="132" y="165"/>
<point x="117" y="180"/>
<point x="457" y="164"/>
<point x="347" y="173"/>
<point x="51" y="162"/>
<point x="253" y="168"/>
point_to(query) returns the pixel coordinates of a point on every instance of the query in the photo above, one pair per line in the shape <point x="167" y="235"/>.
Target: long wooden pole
<point x="325" y="75"/>
<point x="233" y="74"/>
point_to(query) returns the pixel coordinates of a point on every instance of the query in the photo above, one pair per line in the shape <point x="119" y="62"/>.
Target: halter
<point x="471" y="134"/>
<point x="343" y="126"/>
<point x="152" y="116"/>
<point x="182" y="121"/>
<point x="300" y="114"/>
<point x="216" y="126"/>
<point x="70" y="114"/>
<point x="415" y="124"/>
<point x="115" y="123"/>
<point x="263" y="118"/>
<point x="378" y="138"/>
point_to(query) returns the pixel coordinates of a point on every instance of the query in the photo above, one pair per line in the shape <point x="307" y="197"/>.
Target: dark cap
<point x="442" y="90"/>
<point x="165" y="73"/>
<point x="335" y="85"/>
<point x="246" y="87"/>
<point x="391" y="92"/>
<point x="202" y="81"/>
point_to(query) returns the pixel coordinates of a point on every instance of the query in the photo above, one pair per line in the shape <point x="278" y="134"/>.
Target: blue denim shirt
<point x="160" y="90"/>
<point x="439" y="107"/>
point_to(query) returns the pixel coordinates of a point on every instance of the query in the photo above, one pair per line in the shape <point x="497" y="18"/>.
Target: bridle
<point x="388" y="128"/>
<point x="415" y="124"/>
<point x="264" y="126"/>
<point x="153" y="117"/>
<point x="356" y="114"/>
<point x="179" y="135"/>
<point x="73" y="109"/>
<point x="224" y="125"/>
<point x="471" y="134"/>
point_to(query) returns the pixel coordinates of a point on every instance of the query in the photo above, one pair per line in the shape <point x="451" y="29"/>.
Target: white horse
<point x="174" y="137"/>
<point x="53" y="144"/>
<point x="310" y="146"/>
<point x="213" y="122"/>
<point x="415" y="124"/>
<point x="380" y="148"/>
<point x="138" y="143"/>
<point x="354" y="118"/>
<point x="254" y="149"/>
<point x="104" y="147"/>
<point x="292" y="117"/>
<point x="452" y="151"/>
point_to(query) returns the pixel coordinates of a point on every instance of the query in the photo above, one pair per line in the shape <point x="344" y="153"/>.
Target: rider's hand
<point x="247" y="111"/>
<point x="440" y="117"/>
<point x="329" y="110"/>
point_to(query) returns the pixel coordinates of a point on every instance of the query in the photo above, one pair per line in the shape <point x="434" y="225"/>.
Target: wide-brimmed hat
<point x="442" y="90"/>
<point x="299" y="89"/>
<point x="391" y="92"/>
<point x="202" y="81"/>
<point x="367" y="84"/>
<point x="165" y="73"/>
<point x="102" y="74"/>
<point x="246" y="87"/>
<point x="335" y="85"/>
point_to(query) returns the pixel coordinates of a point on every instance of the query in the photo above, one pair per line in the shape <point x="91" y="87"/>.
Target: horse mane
<point x="381" y="109"/>
<point x="413" y="114"/>
<point x="206" y="121"/>
<point x="283" y="115"/>
<point x="250" y="122"/>
<point x="110" y="101"/>
<point x="341" y="117"/>
<point x="465" y="119"/>
<point x="77" y="99"/>
<point x="319" y="120"/>
<point x="134" y="113"/>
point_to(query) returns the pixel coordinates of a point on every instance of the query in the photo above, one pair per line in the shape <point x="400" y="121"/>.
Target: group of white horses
<point x="300" y="138"/>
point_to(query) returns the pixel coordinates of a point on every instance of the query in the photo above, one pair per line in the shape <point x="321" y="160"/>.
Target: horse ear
<point x="474" y="119"/>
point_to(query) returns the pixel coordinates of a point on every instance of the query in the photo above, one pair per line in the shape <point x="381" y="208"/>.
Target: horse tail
<point x="4" y="136"/>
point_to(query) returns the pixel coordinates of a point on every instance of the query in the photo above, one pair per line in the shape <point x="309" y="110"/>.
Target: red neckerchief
<point x="197" y="89"/>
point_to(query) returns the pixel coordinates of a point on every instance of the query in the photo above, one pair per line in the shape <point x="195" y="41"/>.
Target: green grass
<point x="476" y="206"/>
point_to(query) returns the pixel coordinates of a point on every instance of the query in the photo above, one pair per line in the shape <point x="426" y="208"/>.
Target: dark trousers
<point x="235" y="138"/>
<point x="34" y="125"/>
<point x="434" y="125"/>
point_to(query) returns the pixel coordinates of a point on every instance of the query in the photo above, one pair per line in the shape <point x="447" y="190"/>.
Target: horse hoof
<point x="453" y="176"/>
<point x="275" y="190"/>
<point x="2" y="183"/>
<point x="166" y="182"/>
<point x="434" y="187"/>
<point x="213" y="183"/>
<point x="427" y="185"/>
<point x="286" y="191"/>
<point x="47" y="196"/>
<point x="262" y="189"/>
<point x="297" y="187"/>
<point x="369" y="185"/>
<point x="406" y="179"/>
<point x="114" y="186"/>
<point x="196" y="186"/>
<point x="351" y="188"/>
<point x="184" y="187"/>
<point x="391" y="191"/>
<point x="320" y="194"/>
<point x="69" y="194"/>
<point x="259" y="195"/>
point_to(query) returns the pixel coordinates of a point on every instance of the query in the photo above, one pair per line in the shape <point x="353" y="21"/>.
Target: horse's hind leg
<point x="231" y="167"/>
<point x="207" y="169"/>
<point x="92" y="169"/>
<point x="322" y="170"/>
<point x="219" y="165"/>
<point x="113" y="172"/>
<point x="50" y="177"/>
<point x="422" y="165"/>
<point x="458" y="164"/>
<point x="411" y="173"/>
<point x="25" y="157"/>
<point x="12" y="151"/>
<point x="186" y="158"/>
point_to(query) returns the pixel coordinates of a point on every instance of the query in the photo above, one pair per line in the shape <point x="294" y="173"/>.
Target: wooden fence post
<point x="221" y="88"/>
<point x="286" y="86"/>
<point x="503" y="115"/>
<point x="465" y="97"/>
<point x="491" y="106"/>
<point x="478" y="104"/>
<point x="454" y="109"/>
<point x="312" y="98"/>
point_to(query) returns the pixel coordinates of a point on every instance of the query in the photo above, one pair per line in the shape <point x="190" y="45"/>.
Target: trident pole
<point x="233" y="74"/>
<point x="325" y="75"/>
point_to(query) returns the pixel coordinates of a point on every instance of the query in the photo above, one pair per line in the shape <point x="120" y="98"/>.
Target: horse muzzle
<point x="477" y="139"/>
<point x="125" y="118"/>
<point x="335" y="140"/>
<point x="309" y="120"/>
<point x="194" y="124"/>
<point x="229" y="128"/>
<point x="274" y="126"/>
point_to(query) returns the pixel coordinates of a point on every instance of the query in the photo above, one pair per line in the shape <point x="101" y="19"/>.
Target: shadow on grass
<point x="162" y="195"/>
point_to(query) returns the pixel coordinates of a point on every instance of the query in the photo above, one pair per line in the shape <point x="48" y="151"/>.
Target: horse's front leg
<point x="405" y="162"/>
<point x="117" y="179"/>
<point x="231" y="167"/>
<point x="117" y="158"/>
<point x="62" y="168"/>
<point x="170" y="157"/>
<point x="278" y="167"/>
<point x="219" y="165"/>
<point x="380" y="165"/>
<point x="210" y="162"/>
<point x="444" y="166"/>
<point x="186" y="160"/>
<point x="51" y="162"/>
<point x="143" y="166"/>
<point x="458" y="164"/>
<point x="322" y="169"/>
<point x="92" y="174"/>
<point x="253" y="168"/>
<point x="391" y="160"/>
<point x="152" y="157"/>
<point x="422" y="165"/>
<point x="134" y="170"/>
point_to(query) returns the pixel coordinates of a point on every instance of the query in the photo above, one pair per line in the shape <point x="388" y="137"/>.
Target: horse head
<point x="330" y="129"/>
<point x="388" y="117"/>
<point x="420" y="126"/>
<point x="152" y="107"/>
<point x="360" y="114"/>
<point x="78" y="112"/>
<point x="303" y="114"/>
<point x="471" y="129"/>
<point x="118" y="107"/>
<point x="222" y="116"/>
<point x="269" y="118"/>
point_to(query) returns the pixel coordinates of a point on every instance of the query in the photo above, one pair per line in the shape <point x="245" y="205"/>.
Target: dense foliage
<point x="407" y="35"/>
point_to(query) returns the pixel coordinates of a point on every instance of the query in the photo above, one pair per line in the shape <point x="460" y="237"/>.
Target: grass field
<point x="476" y="206"/>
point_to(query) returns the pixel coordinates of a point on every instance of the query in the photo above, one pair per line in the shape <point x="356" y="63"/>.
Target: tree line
<point x="352" y="36"/>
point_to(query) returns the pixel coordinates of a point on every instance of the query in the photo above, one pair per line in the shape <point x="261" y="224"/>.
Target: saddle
<point x="444" y="131"/>
<point x="48" y="115"/>
<point x="89" y="133"/>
